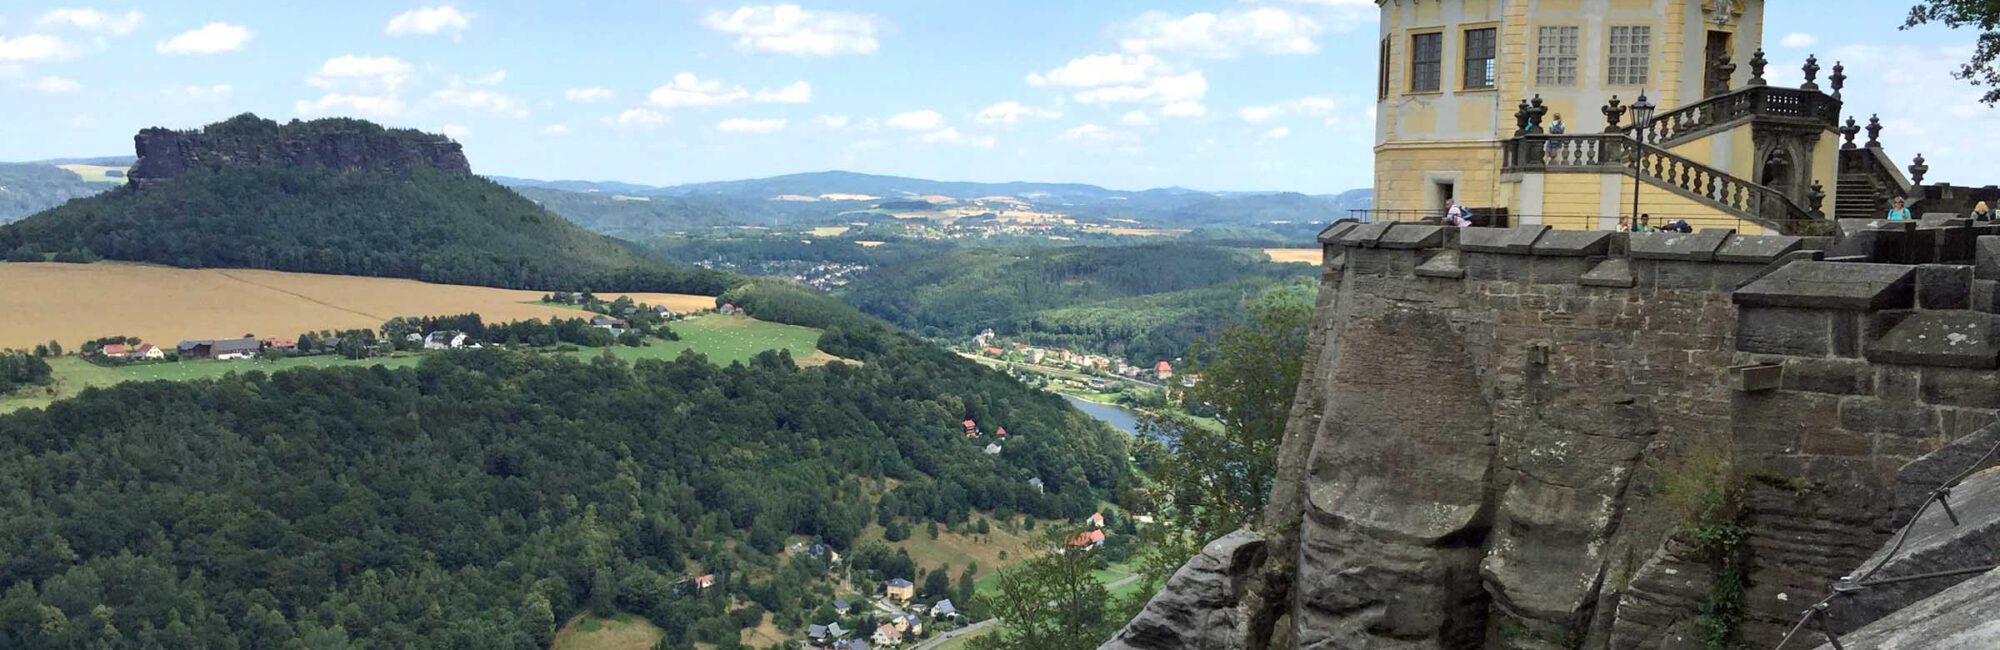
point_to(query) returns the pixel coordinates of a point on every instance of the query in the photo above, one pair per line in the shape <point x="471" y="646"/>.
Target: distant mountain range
<point x="638" y="211"/>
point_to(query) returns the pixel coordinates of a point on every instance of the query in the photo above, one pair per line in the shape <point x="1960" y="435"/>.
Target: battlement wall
<point x="1492" y="416"/>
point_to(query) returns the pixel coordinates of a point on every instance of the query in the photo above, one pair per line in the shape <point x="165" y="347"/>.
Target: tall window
<point x="1479" y="69"/>
<point x="1426" y="61"/>
<point x="1555" y="56"/>
<point x="1630" y="48"/>
<point x="1382" y="77"/>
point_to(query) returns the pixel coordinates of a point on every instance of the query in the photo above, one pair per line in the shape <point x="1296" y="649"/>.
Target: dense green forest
<point x="28" y="188"/>
<point x="1146" y="302"/>
<point x="476" y="500"/>
<point x="426" y="225"/>
<point x="20" y="369"/>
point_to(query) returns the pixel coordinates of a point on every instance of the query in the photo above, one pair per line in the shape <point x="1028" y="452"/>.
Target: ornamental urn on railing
<point x="1839" y="78"/>
<point x="1521" y="119"/>
<point x="1917" y="170"/>
<point x="1812" y="70"/>
<point x="1816" y="197"/>
<point x="1614" y="111"/>
<point x="1875" y="131"/>
<point x="1536" y="111"/>
<point x="1848" y="131"/>
<point x="1757" y="63"/>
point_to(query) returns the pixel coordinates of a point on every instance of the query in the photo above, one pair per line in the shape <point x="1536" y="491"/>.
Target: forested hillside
<point x="1145" y="302"/>
<point x="28" y="188"/>
<point x="482" y="497"/>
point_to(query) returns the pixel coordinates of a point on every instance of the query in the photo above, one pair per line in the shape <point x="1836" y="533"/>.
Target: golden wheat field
<point x="1298" y="255"/>
<point x="73" y="303"/>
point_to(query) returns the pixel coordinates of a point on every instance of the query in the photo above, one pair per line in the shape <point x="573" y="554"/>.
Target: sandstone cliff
<point x="335" y="143"/>
<point x="1523" y="438"/>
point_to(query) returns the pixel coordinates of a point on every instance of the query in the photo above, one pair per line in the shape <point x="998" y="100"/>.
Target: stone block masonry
<point x="1490" y="420"/>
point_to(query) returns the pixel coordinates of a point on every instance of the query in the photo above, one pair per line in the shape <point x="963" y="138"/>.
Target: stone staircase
<point x="1856" y="198"/>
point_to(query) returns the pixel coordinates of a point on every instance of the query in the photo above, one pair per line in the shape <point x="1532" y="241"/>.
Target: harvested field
<point x="72" y="303"/>
<point x="1298" y="255"/>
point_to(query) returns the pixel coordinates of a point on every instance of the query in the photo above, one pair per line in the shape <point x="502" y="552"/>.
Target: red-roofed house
<point x="148" y="351"/>
<point x="993" y="351"/>
<point x="282" y="344"/>
<point x="115" y="351"/>
<point x="1096" y="519"/>
<point x="704" y="582"/>
<point x="1163" y="370"/>
<point x="971" y="429"/>
<point x="1002" y="432"/>
<point x="1091" y="539"/>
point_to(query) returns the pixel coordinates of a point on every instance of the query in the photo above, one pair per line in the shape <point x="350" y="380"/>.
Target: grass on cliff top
<point x="620" y="632"/>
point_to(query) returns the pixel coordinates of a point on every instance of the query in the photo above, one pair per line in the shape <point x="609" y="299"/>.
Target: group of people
<point x="1900" y="211"/>
<point x="1646" y="225"/>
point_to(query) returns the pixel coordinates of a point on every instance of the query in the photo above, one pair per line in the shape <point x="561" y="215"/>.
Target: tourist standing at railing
<point x="1982" y="213"/>
<point x="1897" y="212"/>
<point x="1645" y="224"/>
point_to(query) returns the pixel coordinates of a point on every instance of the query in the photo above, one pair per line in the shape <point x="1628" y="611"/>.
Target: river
<point x="1119" y="417"/>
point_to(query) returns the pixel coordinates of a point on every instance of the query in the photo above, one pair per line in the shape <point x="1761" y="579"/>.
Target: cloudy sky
<point x="1215" y="94"/>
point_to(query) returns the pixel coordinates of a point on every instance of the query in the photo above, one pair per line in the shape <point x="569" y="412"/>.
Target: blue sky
<point x="1217" y="94"/>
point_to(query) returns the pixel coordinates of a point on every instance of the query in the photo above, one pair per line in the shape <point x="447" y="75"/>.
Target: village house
<point x="971" y="429"/>
<point x="993" y="449"/>
<point x="1000" y="432"/>
<point x="444" y="340"/>
<point x="1163" y="370"/>
<point x="615" y="326"/>
<point x="115" y="351"/>
<point x="900" y="590"/>
<point x="220" y="349"/>
<point x="705" y="581"/>
<point x="148" y="352"/>
<point x="944" y="609"/>
<point x="1096" y="520"/>
<point x="888" y="635"/>
<point x="1037" y="483"/>
<point x="1093" y="538"/>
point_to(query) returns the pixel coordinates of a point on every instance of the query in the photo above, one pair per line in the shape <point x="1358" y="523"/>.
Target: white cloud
<point x="481" y="100"/>
<point x="1231" y="33"/>
<point x="637" y="117"/>
<point x="56" y="85"/>
<point x="1278" y="133"/>
<point x="490" y="79"/>
<point x="587" y="95"/>
<point x="1307" y="106"/>
<point x="1798" y="39"/>
<point x="924" y="120"/>
<point x="799" y="92"/>
<point x="343" y="104"/>
<point x="383" y="73"/>
<point x="789" y="29"/>
<point x="1184" y="109"/>
<point x="32" y="47"/>
<point x="1136" y="118"/>
<point x="212" y="38"/>
<point x="1125" y="78"/>
<point x="429" y="20"/>
<point x="1087" y="133"/>
<point x="555" y="129"/>
<point x="750" y="126"/>
<point x="454" y="131"/>
<point x="689" y="91"/>
<point x="1012" y="112"/>
<point x="832" y="121"/>
<point x="951" y="136"/>
<point x="92" y="20"/>
<point x="217" y="92"/>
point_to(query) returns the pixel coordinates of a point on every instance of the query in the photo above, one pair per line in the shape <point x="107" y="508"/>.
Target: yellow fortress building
<point x="1469" y="92"/>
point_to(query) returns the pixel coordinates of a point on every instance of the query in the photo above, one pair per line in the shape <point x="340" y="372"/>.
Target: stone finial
<point x="1725" y="70"/>
<point x="1875" y="131"/>
<point x="1521" y="119"/>
<point x="1848" y="131"/>
<point x="1535" y="113"/>
<point x="1812" y="70"/>
<point x="1839" y="78"/>
<point x="1918" y="169"/>
<point x="1613" y="112"/>
<point x="1816" y="198"/>
<point x="1757" y="63"/>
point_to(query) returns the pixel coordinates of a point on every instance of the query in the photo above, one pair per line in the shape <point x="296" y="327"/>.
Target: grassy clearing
<point x="723" y="339"/>
<point x="959" y="550"/>
<point x="829" y="231"/>
<point x="1295" y="255"/>
<point x="72" y="303"/>
<point x="620" y="632"/>
<point x="96" y="173"/>
<point x="1117" y="574"/>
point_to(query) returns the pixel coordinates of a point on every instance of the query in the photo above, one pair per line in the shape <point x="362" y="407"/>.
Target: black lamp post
<point x="1642" y="119"/>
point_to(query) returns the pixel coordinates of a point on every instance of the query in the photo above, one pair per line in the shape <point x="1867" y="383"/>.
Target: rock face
<point x="1500" y="434"/>
<point x="338" y="144"/>
<point x="1200" y="606"/>
<point x="1964" y="617"/>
